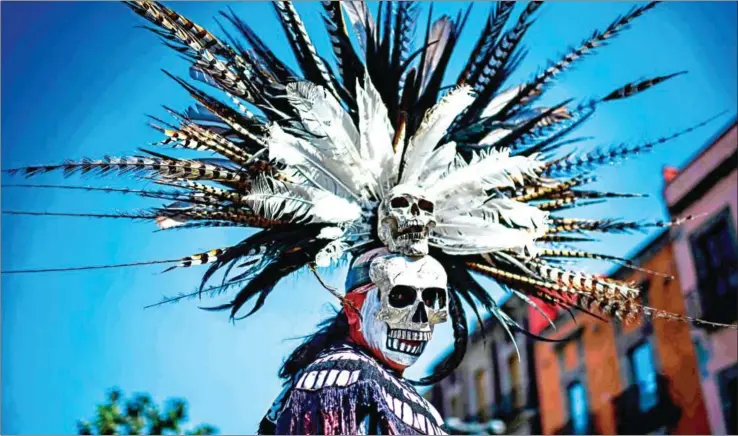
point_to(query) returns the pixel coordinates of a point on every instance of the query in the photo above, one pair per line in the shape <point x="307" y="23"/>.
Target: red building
<point x="613" y="379"/>
<point x="706" y="255"/>
<point x="657" y="376"/>
<point x="492" y="382"/>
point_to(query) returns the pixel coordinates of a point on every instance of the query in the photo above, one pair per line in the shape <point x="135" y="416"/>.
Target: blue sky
<point x="77" y="80"/>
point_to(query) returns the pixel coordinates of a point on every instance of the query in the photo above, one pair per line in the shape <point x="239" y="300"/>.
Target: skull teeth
<point x="395" y="344"/>
<point x="415" y="236"/>
<point x="413" y="223"/>
<point x="410" y="335"/>
<point x="413" y="230"/>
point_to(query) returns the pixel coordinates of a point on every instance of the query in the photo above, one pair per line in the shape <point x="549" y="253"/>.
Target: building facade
<point x="492" y="382"/>
<point x="653" y="377"/>
<point x="706" y="255"/>
<point x="609" y="378"/>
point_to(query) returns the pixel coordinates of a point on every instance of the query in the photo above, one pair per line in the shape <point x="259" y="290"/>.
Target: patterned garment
<point x="346" y="391"/>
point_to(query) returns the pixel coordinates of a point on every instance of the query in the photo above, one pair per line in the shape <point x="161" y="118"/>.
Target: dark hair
<point x="331" y="330"/>
<point x="336" y="328"/>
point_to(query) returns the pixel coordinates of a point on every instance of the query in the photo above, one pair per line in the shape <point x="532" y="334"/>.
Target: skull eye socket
<point x="402" y="296"/>
<point x="434" y="298"/>
<point x="399" y="202"/>
<point x="425" y="206"/>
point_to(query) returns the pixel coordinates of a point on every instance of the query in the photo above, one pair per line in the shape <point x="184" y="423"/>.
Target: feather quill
<point x="431" y="130"/>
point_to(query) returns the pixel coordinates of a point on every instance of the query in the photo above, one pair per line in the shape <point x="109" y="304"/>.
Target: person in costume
<point x="380" y="155"/>
<point x="348" y="377"/>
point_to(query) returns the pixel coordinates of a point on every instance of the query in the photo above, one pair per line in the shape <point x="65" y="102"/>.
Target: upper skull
<point x="405" y="219"/>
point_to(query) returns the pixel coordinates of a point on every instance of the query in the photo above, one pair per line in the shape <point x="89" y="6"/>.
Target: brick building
<point x="491" y="382"/>
<point x="706" y="255"/>
<point x="653" y="377"/>
<point x="605" y="378"/>
<point x="660" y="376"/>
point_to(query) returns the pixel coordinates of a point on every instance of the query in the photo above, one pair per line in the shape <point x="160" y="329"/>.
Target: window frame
<point x="723" y="377"/>
<point x="713" y="306"/>
<point x="482" y="399"/>
<point x="587" y="418"/>
<point x="645" y="342"/>
<point x="577" y="374"/>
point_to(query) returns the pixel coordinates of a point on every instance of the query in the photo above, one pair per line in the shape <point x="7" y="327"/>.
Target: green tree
<point x="139" y="415"/>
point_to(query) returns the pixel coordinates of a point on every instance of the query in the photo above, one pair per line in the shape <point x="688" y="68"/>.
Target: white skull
<point x="400" y="314"/>
<point x="405" y="220"/>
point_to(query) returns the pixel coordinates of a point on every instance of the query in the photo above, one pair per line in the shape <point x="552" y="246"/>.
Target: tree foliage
<point x="139" y="415"/>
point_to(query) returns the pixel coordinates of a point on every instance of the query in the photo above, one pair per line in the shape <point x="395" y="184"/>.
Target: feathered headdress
<point x="307" y="157"/>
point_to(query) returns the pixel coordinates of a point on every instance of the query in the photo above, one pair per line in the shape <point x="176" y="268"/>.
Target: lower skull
<point x="398" y="316"/>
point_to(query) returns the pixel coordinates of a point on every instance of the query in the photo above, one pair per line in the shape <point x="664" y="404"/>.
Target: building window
<point x="716" y="262"/>
<point x="436" y="398"/>
<point x="645" y="287"/>
<point x="480" y="384"/>
<point x="571" y="355"/>
<point x="453" y="394"/>
<point x="644" y="375"/>
<point x="456" y="407"/>
<point x="703" y="356"/>
<point x="513" y="365"/>
<point x="728" y="380"/>
<point x="578" y="408"/>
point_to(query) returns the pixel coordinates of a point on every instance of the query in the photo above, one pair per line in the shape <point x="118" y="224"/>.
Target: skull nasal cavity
<point x="414" y="209"/>
<point x="420" y="314"/>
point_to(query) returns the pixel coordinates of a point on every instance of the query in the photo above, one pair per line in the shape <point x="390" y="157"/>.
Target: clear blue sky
<point x="77" y="79"/>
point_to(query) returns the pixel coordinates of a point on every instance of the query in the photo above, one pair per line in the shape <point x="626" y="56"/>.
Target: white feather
<point x="164" y="222"/>
<point x="274" y="199"/>
<point x="460" y="202"/>
<point x="466" y="235"/>
<point x="500" y="101"/>
<point x="304" y="158"/>
<point x="289" y="149"/>
<point x="376" y="132"/>
<point x="495" y="136"/>
<point x="329" y="208"/>
<point x="515" y="213"/>
<point x="498" y="210"/>
<point x="439" y="163"/>
<point x="391" y="173"/>
<point x="330" y="233"/>
<point x="496" y="169"/>
<point x="315" y="178"/>
<point x="336" y="137"/>
<point x="330" y="253"/>
<point x="432" y="129"/>
<point x="323" y="116"/>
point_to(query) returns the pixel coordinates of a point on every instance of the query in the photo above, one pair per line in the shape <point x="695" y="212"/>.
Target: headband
<point x="358" y="274"/>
